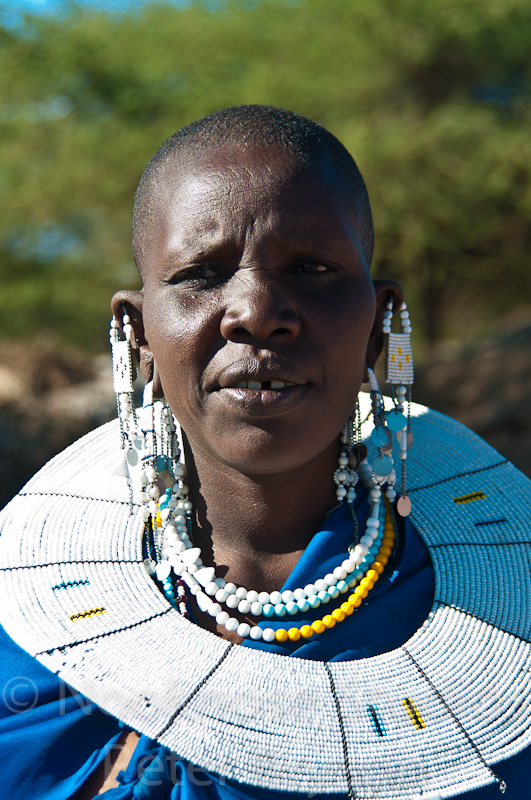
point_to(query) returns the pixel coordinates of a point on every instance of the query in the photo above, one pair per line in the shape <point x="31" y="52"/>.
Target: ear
<point x="130" y="302"/>
<point x="385" y="290"/>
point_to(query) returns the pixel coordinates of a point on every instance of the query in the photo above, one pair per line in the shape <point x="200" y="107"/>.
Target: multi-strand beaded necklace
<point x="182" y="573"/>
<point x="176" y="562"/>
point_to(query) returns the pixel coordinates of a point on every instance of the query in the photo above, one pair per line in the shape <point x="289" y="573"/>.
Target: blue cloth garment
<point x="53" y="738"/>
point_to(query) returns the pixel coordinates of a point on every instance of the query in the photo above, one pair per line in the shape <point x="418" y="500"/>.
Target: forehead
<point x="235" y="172"/>
<point x="230" y="195"/>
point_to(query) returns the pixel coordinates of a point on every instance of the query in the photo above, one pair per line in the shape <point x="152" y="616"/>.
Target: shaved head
<point x="244" y="128"/>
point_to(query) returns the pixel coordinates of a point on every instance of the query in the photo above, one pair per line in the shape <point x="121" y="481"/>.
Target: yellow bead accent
<point x="91" y="612"/>
<point x="469" y="498"/>
<point x="318" y="626"/>
<point x="294" y="634"/>
<point x="354" y="601"/>
<point x="413" y="712"/>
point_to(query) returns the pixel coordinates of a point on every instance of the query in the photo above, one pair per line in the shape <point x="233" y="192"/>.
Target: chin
<point x="260" y="453"/>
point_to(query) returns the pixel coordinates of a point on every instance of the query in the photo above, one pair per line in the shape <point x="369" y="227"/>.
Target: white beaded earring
<point x="124" y="374"/>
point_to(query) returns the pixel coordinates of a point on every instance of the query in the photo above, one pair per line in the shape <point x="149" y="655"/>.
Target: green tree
<point x="432" y="99"/>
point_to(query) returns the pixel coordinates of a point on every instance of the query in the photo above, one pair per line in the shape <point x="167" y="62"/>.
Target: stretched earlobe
<point x="130" y="302"/>
<point x="384" y="290"/>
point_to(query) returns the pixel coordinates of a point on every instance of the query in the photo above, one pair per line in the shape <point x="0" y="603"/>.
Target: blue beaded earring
<point x="399" y="374"/>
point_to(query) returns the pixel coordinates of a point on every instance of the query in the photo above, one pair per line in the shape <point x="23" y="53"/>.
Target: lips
<point x="261" y="387"/>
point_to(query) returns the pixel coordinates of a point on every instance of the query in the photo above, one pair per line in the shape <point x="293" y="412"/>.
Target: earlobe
<point x="384" y="290"/>
<point x="130" y="302"/>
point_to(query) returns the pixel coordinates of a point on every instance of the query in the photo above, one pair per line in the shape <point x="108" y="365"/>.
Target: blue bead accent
<point x="280" y="610"/>
<point x="342" y="586"/>
<point x="374" y="550"/>
<point x="160" y="463"/>
<point x="314" y="601"/>
<point x="323" y="596"/>
<point x="268" y="610"/>
<point x="303" y="605"/>
<point x="292" y="607"/>
<point x="333" y="592"/>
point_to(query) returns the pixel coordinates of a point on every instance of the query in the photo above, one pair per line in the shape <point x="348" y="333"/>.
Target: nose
<point x="259" y="308"/>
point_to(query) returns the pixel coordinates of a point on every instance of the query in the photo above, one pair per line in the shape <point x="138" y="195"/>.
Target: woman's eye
<point x="311" y="268"/>
<point x="206" y="273"/>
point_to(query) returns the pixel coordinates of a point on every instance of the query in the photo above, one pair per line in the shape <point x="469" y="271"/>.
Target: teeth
<point x="258" y="384"/>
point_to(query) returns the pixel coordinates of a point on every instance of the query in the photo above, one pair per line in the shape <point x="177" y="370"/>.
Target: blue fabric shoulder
<point x="52" y="738"/>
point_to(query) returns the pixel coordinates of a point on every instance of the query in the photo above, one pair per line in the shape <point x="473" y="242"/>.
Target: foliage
<point x="433" y="99"/>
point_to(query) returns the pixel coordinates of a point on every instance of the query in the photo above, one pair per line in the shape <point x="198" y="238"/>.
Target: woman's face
<point x="258" y="306"/>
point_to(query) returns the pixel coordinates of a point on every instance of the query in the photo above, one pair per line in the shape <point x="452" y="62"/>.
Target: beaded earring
<point x="124" y="374"/>
<point x="399" y="374"/>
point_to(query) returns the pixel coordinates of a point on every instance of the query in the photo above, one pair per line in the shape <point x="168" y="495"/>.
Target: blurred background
<point x="433" y="100"/>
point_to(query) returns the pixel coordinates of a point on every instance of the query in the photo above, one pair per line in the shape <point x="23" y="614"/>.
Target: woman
<point x="258" y="322"/>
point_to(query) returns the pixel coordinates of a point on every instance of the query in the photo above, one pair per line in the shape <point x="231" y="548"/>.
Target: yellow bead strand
<point x="360" y="592"/>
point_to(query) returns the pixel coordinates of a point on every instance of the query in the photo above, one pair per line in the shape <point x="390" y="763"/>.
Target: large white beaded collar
<point x="429" y="718"/>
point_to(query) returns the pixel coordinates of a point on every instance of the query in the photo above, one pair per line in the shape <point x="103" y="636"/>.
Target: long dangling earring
<point x="399" y="374"/>
<point x="381" y="435"/>
<point x="345" y="476"/>
<point x="124" y="374"/>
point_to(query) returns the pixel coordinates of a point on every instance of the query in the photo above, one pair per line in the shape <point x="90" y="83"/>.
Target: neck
<point x="254" y="528"/>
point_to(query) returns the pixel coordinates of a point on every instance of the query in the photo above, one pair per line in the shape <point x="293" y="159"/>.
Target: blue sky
<point x="12" y="10"/>
<point x="55" y="6"/>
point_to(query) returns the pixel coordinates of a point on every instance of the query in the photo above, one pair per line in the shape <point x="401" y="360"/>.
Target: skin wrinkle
<point x="280" y="166"/>
<point x="272" y="132"/>
<point x="182" y="248"/>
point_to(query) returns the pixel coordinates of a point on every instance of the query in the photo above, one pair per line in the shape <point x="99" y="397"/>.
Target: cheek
<point x="349" y="325"/>
<point x="182" y="335"/>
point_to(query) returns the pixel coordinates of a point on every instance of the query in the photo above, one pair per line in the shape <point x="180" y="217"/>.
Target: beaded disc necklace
<point x="429" y="718"/>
